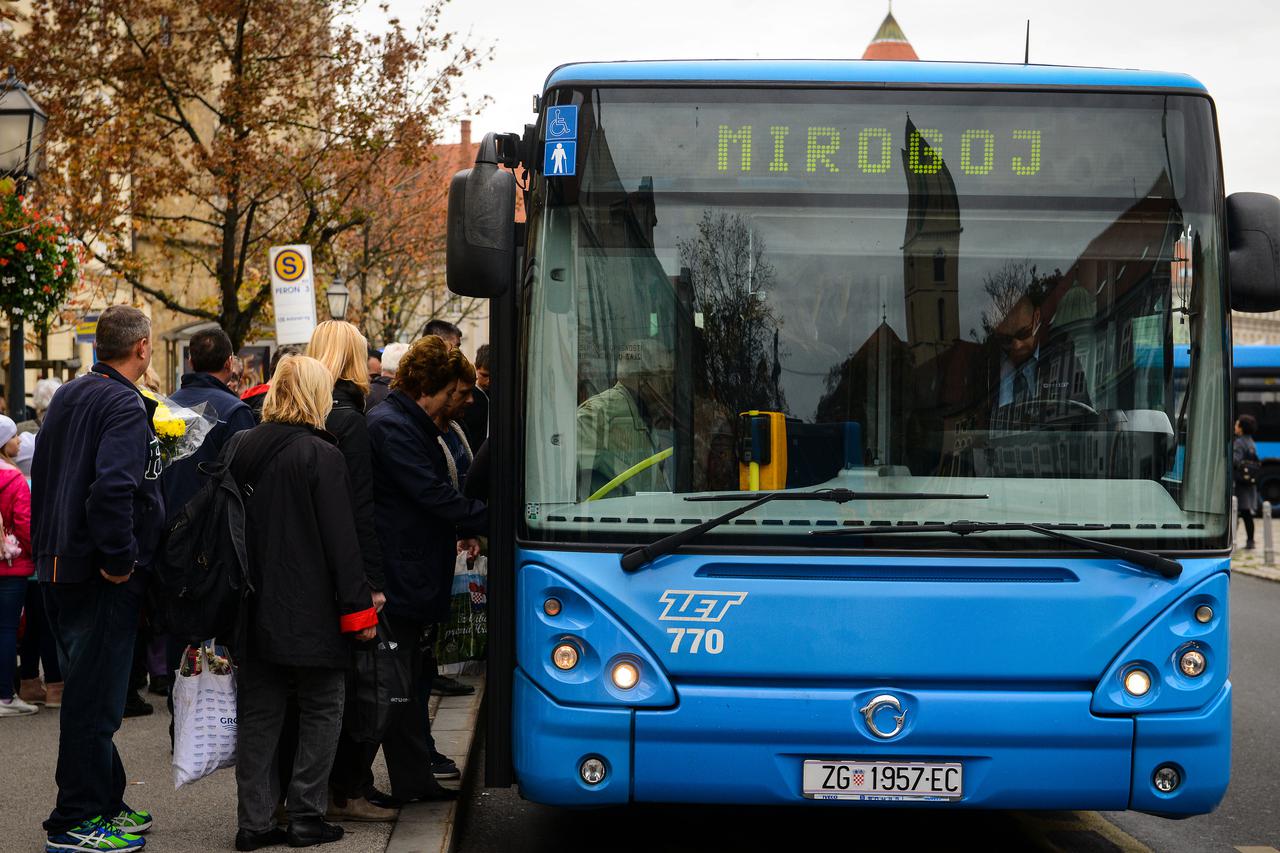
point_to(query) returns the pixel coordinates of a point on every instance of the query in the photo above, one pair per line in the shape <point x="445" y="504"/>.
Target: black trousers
<point x="407" y="745"/>
<point x="94" y="624"/>
<point x="352" y="775"/>
<point x="262" y="693"/>
<point x="38" y="647"/>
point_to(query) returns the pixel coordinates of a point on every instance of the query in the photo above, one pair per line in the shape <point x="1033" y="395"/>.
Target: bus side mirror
<point x="1253" y="238"/>
<point x="481" y="251"/>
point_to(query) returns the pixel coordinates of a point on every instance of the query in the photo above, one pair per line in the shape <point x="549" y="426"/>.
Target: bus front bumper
<point x="735" y="744"/>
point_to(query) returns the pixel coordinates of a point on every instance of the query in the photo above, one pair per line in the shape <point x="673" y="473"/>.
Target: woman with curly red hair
<point x="420" y="516"/>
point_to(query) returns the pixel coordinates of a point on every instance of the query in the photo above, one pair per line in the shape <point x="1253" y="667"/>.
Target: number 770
<point x="710" y="639"/>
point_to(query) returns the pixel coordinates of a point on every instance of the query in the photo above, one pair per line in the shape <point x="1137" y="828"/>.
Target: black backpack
<point x="200" y="575"/>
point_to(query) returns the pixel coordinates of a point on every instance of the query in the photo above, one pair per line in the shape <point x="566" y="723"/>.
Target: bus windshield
<point x="968" y="292"/>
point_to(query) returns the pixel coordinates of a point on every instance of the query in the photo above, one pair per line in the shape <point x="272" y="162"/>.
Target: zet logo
<point x="290" y="265"/>
<point x="696" y="605"/>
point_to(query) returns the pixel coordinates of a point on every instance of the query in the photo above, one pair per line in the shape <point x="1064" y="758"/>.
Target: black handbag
<point x="379" y="681"/>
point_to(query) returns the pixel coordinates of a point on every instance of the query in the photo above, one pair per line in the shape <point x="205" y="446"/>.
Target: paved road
<point x="196" y="818"/>
<point x="498" y="821"/>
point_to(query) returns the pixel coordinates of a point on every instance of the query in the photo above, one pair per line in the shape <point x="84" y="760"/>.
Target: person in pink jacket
<point x="16" y="564"/>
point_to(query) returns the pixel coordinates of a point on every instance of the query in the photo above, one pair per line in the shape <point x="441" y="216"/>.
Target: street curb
<point x="1256" y="571"/>
<point x="429" y="827"/>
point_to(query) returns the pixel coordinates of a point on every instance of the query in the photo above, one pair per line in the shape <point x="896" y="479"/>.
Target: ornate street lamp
<point x="337" y="296"/>
<point x="22" y="124"/>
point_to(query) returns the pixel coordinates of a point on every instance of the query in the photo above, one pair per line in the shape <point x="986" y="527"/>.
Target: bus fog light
<point x="1204" y="614"/>
<point x="565" y="656"/>
<point x="592" y="771"/>
<point x="1191" y="663"/>
<point x="1166" y="779"/>
<point x="551" y="607"/>
<point x="1137" y="682"/>
<point x="625" y="675"/>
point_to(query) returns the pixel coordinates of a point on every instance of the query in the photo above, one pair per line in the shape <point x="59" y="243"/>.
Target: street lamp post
<point x="337" y="296"/>
<point x="22" y="124"/>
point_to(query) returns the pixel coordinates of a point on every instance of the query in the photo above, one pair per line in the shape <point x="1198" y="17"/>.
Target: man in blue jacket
<point x="97" y="514"/>
<point x="210" y="354"/>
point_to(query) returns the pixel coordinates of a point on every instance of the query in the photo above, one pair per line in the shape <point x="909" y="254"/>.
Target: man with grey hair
<point x="40" y="400"/>
<point x="97" y="514"/>
<point x="616" y="428"/>
<point x="380" y="387"/>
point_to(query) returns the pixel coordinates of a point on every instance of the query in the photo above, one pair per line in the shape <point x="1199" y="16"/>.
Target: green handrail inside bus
<point x="643" y="465"/>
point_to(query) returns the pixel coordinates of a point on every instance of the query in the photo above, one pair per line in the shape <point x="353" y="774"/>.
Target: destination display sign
<point x="1121" y="148"/>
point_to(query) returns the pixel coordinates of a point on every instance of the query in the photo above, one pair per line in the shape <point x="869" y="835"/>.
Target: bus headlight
<point x="1192" y="663"/>
<point x="592" y="771"/>
<point x="565" y="656"/>
<point x="1137" y="682"/>
<point x="625" y="675"/>
<point x="1166" y="779"/>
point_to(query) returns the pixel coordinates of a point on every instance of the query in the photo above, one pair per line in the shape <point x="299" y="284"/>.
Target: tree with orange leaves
<point x="394" y="262"/>
<point x="210" y="131"/>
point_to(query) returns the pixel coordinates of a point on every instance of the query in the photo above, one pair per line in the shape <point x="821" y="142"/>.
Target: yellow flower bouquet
<point x="180" y="429"/>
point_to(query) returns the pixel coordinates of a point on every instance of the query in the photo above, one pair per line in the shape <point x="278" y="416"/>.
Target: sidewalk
<point x="1254" y="562"/>
<point x="1251" y="563"/>
<point x="201" y="817"/>
<point x="429" y="827"/>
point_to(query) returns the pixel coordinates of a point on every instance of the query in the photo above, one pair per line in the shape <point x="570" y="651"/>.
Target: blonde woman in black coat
<point x="310" y="596"/>
<point x="343" y="350"/>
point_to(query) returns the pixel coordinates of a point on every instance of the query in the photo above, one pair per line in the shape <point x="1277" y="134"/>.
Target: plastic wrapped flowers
<point x="180" y="429"/>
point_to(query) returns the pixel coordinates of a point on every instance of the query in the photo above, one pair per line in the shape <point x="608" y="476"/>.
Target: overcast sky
<point x="1232" y="46"/>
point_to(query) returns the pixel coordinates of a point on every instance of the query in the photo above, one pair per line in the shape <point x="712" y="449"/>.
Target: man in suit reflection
<point x="1032" y="375"/>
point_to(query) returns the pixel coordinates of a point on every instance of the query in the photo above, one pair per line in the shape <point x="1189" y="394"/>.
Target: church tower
<point x="890" y="42"/>
<point x="930" y="249"/>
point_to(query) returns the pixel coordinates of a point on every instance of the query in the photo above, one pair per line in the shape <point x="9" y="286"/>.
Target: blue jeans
<point x="13" y="592"/>
<point x="94" y="624"/>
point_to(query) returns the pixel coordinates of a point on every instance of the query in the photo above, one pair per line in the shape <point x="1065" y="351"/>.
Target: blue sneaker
<point x="97" y="836"/>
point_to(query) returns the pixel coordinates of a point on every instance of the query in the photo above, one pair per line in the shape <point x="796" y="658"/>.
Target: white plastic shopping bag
<point x="204" y="715"/>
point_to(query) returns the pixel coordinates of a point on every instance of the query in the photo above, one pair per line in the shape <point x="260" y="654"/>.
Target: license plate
<point x="881" y="780"/>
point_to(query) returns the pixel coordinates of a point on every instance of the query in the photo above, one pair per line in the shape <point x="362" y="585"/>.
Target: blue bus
<point x="1256" y="391"/>
<point x="839" y="455"/>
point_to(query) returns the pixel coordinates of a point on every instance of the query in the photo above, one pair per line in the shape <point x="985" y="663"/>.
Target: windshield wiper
<point x="641" y="555"/>
<point x="1161" y="565"/>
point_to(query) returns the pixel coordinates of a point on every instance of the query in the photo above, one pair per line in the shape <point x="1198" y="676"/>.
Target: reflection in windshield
<point x="751" y="335"/>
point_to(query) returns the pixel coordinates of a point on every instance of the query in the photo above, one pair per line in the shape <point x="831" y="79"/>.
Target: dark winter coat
<point x="181" y="480"/>
<point x="254" y="398"/>
<point x="1243" y="446"/>
<point x="475" y="420"/>
<point x="96" y="501"/>
<point x="305" y="561"/>
<point x="477" y="484"/>
<point x="379" y="388"/>
<point x="347" y="424"/>
<point x="419" y="514"/>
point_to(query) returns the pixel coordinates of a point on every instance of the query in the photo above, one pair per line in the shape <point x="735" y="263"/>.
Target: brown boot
<point x="31" y="691"/>
<point x="53" y="695"/>
<point x="359" y="809"/>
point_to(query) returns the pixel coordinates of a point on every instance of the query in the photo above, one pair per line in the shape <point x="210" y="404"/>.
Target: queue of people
<point x="355" y="512"/>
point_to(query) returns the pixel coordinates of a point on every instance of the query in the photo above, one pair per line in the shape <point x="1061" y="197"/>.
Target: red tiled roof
<point x="890" y="50"/>
<point x="890" y="42"/>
